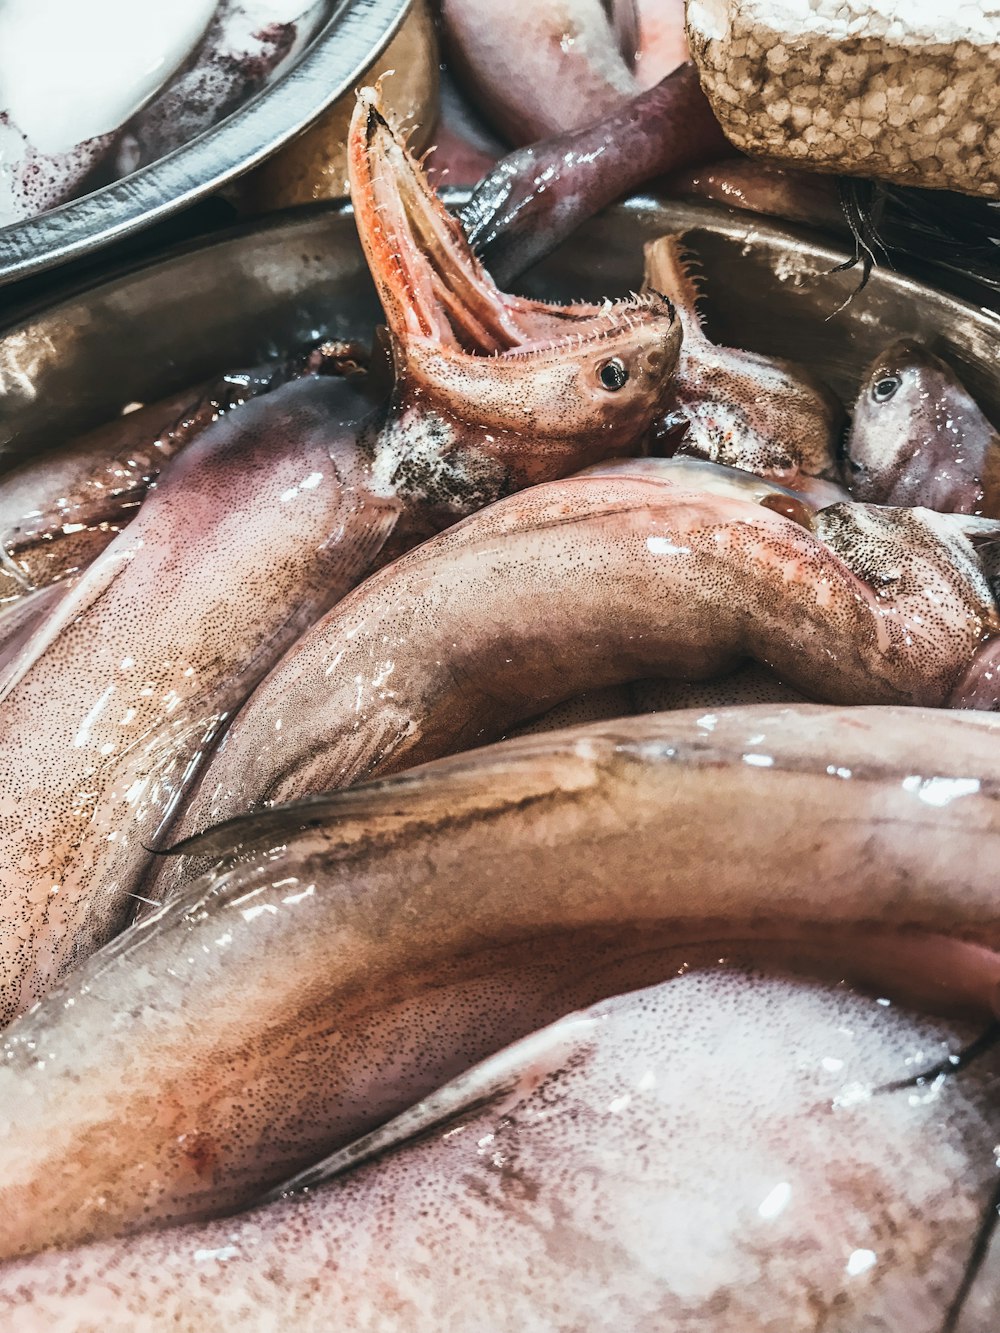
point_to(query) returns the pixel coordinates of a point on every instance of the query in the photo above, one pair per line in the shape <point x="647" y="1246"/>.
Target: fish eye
<point x="613" y="374"/>
<point x="883" y="389"/>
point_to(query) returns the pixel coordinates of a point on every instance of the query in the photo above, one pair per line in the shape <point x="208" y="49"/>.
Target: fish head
<point x="521" y="390"/>
<point x="732" y="406"/>
<point x="933" y="577"/>
<point x="918" y="437"/>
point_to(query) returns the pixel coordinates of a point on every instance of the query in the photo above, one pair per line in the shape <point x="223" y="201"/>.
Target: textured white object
<point x="903" y="92"/>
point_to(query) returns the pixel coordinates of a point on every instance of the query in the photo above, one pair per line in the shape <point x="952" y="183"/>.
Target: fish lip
<point x="432" y="285"/>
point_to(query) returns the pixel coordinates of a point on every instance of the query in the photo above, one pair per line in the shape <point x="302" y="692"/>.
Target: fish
<point x="918" y="437"/>
<point x="762" y="187"/>
<point x="491" y="393"/>
<point x="536" y="196"/>
<point x="662" y="41"/>
<point x="752" y="684"/>
<point x="593" y="581"/>
<point x="538" y="70"/>
<point x="69" y="81"/>
<point x="356" y="950"/>
<point x="58" y="511"/>
<point x="758" y="413"/>
<point x="726" y="1148"/>
<point x="121" y="688"/>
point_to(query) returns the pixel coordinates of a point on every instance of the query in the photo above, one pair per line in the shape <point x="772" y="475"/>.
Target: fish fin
<point x="500" y="1081"/>
<point x="465" y="785"/>
<point x="76" y="598"/>
<point x="672" y="270"/>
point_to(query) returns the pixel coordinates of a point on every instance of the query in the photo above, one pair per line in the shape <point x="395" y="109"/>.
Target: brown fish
<point x="108" y="714"/>
<point x="750" y="411"/>
<point x="600" y="579"/>
<point x="362" y="948"/>
<point x="725" y="1150"/>
<point x="919" y="438"/>
<point x="60" y="510"/>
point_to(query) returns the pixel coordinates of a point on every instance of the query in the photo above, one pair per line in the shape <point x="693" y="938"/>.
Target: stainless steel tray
<point x="351" y="39"/>
<point x="249" y="292"/>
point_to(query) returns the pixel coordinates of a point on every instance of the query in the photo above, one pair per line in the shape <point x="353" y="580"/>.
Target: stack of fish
<point x="663" y="1021"/>
<point x="89" y="93"/>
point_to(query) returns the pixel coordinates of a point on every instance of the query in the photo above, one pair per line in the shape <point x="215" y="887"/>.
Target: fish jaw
<point x="530" y="390"/>
<point x="919" y="438"/>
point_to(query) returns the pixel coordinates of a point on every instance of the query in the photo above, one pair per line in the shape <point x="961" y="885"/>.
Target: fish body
<point x="750" y="684"/>
<point x="126" y="682"/>
<point x="357" y="950"/>
<point x="707" y="1153"/>
<point x="60" y="510"/>
<point x="538" y="70"/>
<point x="491" y="394"/>
<point x="536" y="196"/>
<point x="919" y="438"/>
<point x="598" y="580"/>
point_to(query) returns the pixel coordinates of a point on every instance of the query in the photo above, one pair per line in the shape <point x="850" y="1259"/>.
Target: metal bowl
<point x="353" y="36"/>
<point x="256" y="289"/>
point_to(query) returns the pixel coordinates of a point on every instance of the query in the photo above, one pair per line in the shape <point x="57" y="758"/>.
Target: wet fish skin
<point x="126" y="683"/>
<point x="623" y="572"/>
<point x="750" y="684"/>
<point x="325" y="951"/>
<point x="537" y="196"/>
<point x="762" y="187"/>
<point x="669" y="1156"/>
<point x="919" y="438"/>
<point x="462" y="426"/>
<point x="765" y="415"/>
<point x="60" y="510"/>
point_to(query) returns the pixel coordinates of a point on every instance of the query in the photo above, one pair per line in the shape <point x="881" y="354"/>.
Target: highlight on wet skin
<point x="461" y="868"/>
<point x="670" y="567"/>
<point x="741" y="1108"/>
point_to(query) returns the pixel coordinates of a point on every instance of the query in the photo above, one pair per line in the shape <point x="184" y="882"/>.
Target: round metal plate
<point x="252" y="291"/>
<point x="351" y="39"/>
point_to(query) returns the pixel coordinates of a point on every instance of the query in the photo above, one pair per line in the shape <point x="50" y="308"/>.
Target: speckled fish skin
<point x="256" y="530"/>
<point x="537" y="70"/>
<point x="698" y="1156"/>
<point x="369" y="945"/>
<point x="383" y="1250"/>
<point x="60" y="510"/>
<point x="919" y="438"/>
<point x="749" y="411"/>
<point x="462" y="427"/>
<point x="594" y="581"/>
<point x="751" y="684"/>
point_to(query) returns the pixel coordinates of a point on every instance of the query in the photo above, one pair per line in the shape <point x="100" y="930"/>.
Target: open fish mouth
<point x="431" y="284"/>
